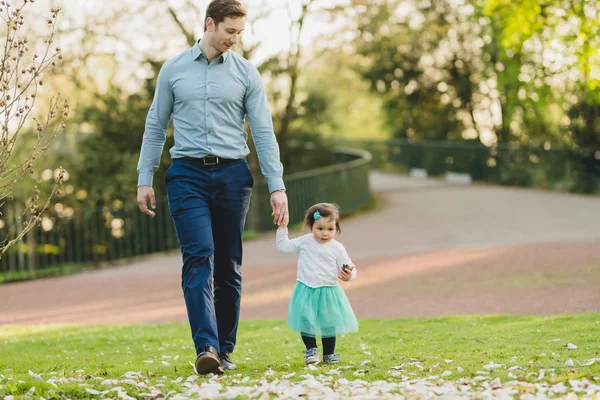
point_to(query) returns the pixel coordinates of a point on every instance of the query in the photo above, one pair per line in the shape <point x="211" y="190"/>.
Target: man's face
<point x="324" y="230"/>
<point x="227" y="33"/>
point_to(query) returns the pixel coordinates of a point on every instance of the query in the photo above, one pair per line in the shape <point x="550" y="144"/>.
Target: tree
<point x="410" y="64"/>
<point x="562" y="40"/>
<point x="287" y="67"/>
<point x="110" y="152"/>
<point x="20" y="84"/>
<point x="446" y="70"/>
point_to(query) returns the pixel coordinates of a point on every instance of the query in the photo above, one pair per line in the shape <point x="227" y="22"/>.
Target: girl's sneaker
<point x="311" y="356"/>
<point x="331" y="358"/>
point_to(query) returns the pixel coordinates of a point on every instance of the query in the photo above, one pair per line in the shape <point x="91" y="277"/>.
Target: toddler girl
<point x="318" y="306"/>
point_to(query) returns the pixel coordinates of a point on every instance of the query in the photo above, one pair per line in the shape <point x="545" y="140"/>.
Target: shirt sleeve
<point x="155" y="133"/>
<point x="261" y="125"/>
<point x="284" y="244"/>
<point x="353" y="277"/>
<point x="342" y="258"/>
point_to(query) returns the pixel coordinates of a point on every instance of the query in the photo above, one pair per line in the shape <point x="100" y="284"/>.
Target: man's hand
<point x="279" y="203"/>
<point x="145" y="194"/>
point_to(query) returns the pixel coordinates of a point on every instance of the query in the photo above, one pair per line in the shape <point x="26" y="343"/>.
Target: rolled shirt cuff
<point x="275" y="183"/>
<point x="145" y="180"/>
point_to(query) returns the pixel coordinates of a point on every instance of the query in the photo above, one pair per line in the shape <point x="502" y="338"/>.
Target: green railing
<point x="556" y="169"/>
<point x="345" y="183"/>
<point x="121" y="231"/>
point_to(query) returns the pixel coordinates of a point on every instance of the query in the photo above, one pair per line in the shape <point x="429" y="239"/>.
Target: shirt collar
<point x="225" y="55"/>
<point x="197" y="52"/>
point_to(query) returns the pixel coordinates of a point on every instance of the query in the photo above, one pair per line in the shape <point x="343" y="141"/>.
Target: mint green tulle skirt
<point x="320" y="312"/>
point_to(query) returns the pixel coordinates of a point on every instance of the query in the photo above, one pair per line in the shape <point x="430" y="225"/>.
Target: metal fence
<point x="505" y="164"/>
<point x="121" y="231"/>
<point x="345" y="183"/>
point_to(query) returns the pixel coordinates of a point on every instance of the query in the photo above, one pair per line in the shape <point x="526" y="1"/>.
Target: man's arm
<point x="153" y="141"/>
<point x="261" y="125"/>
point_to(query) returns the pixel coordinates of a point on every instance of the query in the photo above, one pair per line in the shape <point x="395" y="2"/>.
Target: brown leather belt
<point x="211" y="160"/>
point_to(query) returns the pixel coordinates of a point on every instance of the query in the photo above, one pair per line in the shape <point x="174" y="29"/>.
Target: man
<point x="208" y="90"/>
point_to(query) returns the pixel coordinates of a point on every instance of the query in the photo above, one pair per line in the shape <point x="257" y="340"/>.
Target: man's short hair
<point x="218" y="10"/>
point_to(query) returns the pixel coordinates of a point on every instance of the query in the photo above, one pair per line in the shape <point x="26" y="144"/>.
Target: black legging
<point x="328" y="344"/>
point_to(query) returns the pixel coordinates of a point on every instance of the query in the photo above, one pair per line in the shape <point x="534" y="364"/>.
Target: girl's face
<point x="324" y="230"/>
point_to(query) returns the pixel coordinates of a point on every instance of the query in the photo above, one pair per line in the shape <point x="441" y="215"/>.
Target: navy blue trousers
<point x="208" y="206"/>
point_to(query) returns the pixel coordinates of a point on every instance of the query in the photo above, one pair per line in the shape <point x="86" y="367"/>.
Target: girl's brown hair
<point x="326" y="210"/>
<point x="218" y="10"/>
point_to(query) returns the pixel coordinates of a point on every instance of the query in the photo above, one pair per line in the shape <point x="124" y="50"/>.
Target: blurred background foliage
<point x="483" y="72"/>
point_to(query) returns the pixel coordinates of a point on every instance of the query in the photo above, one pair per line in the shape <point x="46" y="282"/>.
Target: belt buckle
<point x="212" y="160"/>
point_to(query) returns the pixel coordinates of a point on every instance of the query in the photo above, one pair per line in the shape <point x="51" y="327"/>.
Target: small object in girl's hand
<point x="346" y="268"/>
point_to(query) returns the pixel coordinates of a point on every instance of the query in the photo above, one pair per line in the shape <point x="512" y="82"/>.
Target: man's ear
<point x="210" y="24"/>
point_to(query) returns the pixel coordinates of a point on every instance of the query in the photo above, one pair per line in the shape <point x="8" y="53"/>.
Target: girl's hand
<point x="346" y="274"/>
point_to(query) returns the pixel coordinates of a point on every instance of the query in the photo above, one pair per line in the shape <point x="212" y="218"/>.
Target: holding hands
<point x="279" y="204"/>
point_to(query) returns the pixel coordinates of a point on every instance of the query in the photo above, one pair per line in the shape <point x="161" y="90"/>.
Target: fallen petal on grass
<point x="495" y="384"/>
<point x="36" y="376"/>
<point x="492" y="366"/>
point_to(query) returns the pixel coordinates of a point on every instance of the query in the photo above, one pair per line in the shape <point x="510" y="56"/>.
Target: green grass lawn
<point x="394" y="350"/>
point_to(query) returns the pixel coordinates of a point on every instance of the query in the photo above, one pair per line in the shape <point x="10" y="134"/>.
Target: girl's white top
<point x="318" y="262"/>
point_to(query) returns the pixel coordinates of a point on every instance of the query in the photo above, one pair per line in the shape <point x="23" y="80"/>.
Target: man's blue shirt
<point x="208" y="102"/>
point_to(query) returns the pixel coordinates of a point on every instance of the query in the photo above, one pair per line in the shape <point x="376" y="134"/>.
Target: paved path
<point x="430" y="249"/>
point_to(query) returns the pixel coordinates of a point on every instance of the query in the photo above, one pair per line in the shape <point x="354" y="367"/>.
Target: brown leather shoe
<point x="226" y="362"/>
<point x="208" y="362"/>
